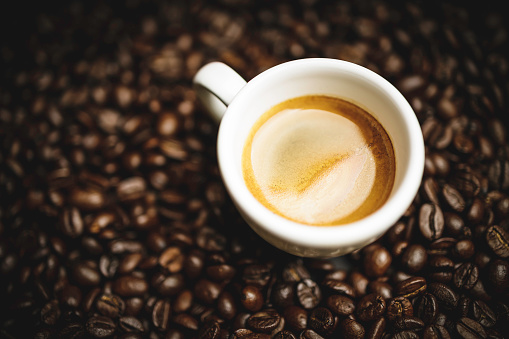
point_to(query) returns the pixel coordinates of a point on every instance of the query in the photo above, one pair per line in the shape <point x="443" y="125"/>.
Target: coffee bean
<point x="50" y="313"/>
<point x="309" y="334"/>
<point x="453" y="198"/>
<point x="86" y="274"/>
<point x="427" y="308"/>
<point x="308" y="293"/>
<point x="285" y="334"/>
<point x="322" y="320"/>
<point x="283" y="294"/>
<point x="251" y="298"/>
<point x="408" y="323"/>
<point x="436" y="332"/>
<point x="350" y="328"/>
<point x="110" y="305"/>
<point x="410" y="287"/>
<point x="441" y="268"/>
<point x="399" y="307"/>
<point x="405" y="335"/>
<point x="207" y="291"/>
<point x="221" y="272"/>
<point x="377" y="262"/>
<point x="339" y="287"/>
<point x="483" y="314"/>
<point x="100" y="327"/>
<point x="130" y="324"/>
<point x="469" y="328"/>
<point x="168" y="285"/>
<point x="414" y="258"/>
<point x="130" y="286"/>
<point x="498" y="274"/>
<point x="377" y="328"/>
<point x="445" y="295"/>
<point x="464" y="249"/>
<point x="71" y="222"/>
<point x="431" y="221"/>
<point x="340" y="305"/>
<point x="465" y="276"/>
<point x="498" y="240"/>
<point x="370" y="307"/>
<point x="161" y="314"/>
<point x="381" y="288"/>
<point x="87" y="198"/>
<point x="264" y="321"/>
<point x="296" y="318"/>
<point x="171" y="259"/>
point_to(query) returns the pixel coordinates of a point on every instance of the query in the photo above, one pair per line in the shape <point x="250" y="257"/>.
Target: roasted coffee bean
<point x="359" y="282"/>
<point x="186" y="321"/>
<point x="464" y="249"/>
<point x="296" y="318"/>
<point x="410" y="287"/>
<point x="264" y="321"/>
<point x="405" y="335"/>
<point x="207" y="291"/>
<point x="427" y="308"/>
<point x="309" y="334"/>
<point x="498" y="240"/>
<point x="453" y="224"/>
<point x="483" y="314"/>
<point x="399" y="307"/>
<point x="86" y="273"/>
<point x="431" y="221"/>
<point x="435" y="332"/>
<point x="130" y="286"/>
<point x="370" y="307"/>
<point x="441" y="268"/>
<point x="251" y="298"/>
<point x="453" y="198"/>
<point x="161" y="314"/>
<point x="283" y="294"/>
<point x="71" y="222"/>
<point x="321" y="320"/>
<point x="465" y="276"/>
<point x="446" y="297"/>
<point x="350" y="328"/>
<point x="168" y="285"/>
<point x="110" y="305"/>
<point x="339" y="287"/>
<point x="100" y="327"/>
<point x="340" y="305"/>
<point x="377" y="262"/>
<point x="285" y="334"/>
<point x="295" y="272"/>
<point x="221" y="272"/>
<point x="130" y="324"/>
<point x="257" y="275"/>
<point x="408" y="323"/>
<point x="50" y="313"/>
<point x="381" y="288"/>
<point x="308" y="293"/>
<point x="171" y="259"/>
<point x="377" y="328"/>
<point x="414" y="258"/>
<point x="469" y="328"/>
<point x="498" y="274"/>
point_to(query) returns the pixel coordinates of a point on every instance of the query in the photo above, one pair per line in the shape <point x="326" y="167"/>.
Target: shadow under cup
<point x="337" y="79"/>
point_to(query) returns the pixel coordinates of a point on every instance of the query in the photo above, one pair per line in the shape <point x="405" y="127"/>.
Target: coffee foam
<point x="312" y="165"/>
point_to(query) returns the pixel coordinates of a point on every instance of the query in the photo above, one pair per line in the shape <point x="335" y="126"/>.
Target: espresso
<point x="319" y="160"/>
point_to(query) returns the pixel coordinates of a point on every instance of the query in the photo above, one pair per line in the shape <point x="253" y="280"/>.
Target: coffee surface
<point x="319" y="160"/>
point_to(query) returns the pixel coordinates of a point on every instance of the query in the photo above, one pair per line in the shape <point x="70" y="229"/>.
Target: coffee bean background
<point x="114" y="221"/>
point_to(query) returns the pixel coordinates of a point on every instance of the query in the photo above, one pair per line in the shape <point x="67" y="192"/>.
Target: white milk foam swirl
<point x="312" y="165"/>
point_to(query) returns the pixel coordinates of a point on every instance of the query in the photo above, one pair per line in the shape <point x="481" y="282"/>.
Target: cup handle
<point x="216" y="84"/>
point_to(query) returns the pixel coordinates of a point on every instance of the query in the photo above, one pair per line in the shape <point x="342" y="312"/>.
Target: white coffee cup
<point x="238" y="105"/>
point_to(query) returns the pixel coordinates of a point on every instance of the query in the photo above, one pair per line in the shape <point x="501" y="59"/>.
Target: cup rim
<point x="312" y="236"/>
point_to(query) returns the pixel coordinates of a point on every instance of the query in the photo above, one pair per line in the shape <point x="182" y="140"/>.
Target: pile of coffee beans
<point x="114" y="222"/>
